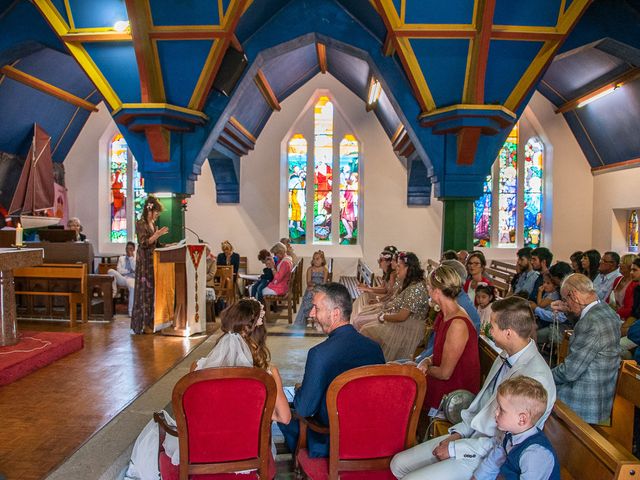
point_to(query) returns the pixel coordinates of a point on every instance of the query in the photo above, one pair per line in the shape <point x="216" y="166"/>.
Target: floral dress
<point x="143" y="301"/>
<point x="400" y="339"/>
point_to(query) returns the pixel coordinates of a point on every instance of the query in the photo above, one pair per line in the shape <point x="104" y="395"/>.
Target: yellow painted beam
<point x="526" y="33"/>
<point x="110" y="36"/>
<point x="236" y="123"/>
<point x="415" y="30"/>
<point x="53" y="17"/>
<point x="45" y="87"/>
<point x="496" y="108"/>
<point x="151" y="84"/>
<point x="167" y="106"/>
<point x="214" y="59"/>
<point x="321" y="51"/>
<point x="67" y="7"/>
<point x="546" y="54"/>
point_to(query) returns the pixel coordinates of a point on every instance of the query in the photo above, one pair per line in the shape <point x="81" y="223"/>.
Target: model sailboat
<point x="34" y="195"/>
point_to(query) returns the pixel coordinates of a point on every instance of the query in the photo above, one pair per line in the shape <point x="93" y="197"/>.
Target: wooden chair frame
<point x="260" y="463"/>
<point x="224" y="283"/>
<point x="335" y="463"/>
<point x="279" y="300"/>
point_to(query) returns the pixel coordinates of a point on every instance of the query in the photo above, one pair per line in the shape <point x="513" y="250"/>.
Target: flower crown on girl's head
<point x="262" y="313"/>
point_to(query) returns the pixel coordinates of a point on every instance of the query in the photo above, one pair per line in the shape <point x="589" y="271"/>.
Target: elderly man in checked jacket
<point x="586" y="381"/>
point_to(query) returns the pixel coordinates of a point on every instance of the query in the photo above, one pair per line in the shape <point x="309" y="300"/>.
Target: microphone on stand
<point x="197" y="236"/>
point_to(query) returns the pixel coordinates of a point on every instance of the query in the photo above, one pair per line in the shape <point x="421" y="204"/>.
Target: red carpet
<point x="36" y="350"/>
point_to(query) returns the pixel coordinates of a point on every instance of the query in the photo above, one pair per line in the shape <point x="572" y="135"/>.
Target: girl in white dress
<point x="243" y="344"/>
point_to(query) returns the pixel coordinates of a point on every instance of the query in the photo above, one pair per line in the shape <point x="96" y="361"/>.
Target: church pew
<point x="626" y="400"/>
<point x="506" y="267"/>
<point x="363" y="275"/>
<point x="51" y="272"/>
<point x="584" y="453"/>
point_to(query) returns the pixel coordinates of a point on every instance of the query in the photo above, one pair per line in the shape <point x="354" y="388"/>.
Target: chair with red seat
<point x="373" y="414"/>
<point x="223" y="418"/>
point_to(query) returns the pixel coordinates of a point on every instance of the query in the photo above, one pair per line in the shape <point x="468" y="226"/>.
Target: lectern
<point x="180" y="289"/>
<point x="11" y="258"/>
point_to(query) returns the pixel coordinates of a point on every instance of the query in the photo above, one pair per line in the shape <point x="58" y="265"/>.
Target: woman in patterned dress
<point x="148" y="235"/>
<point x="401" y="325"/>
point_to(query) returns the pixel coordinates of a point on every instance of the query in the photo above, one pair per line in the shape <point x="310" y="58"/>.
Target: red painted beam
<point x="468" y="139"/>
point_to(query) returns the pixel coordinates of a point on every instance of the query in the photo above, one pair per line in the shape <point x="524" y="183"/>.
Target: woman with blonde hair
<point x="455" y="363"/>
<point x="228" y="256"/>
<point x="148" y="234"/>
<point x="281" y="273"/>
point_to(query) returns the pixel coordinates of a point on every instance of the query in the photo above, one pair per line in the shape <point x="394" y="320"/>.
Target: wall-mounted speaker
<point x="231" y="69"/>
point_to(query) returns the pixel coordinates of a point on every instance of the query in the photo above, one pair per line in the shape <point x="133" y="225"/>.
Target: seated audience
<point x="228" y="257"/>
<point x="618" y="294"/>
<point x="608" y="275"/>
<point x="633" y="335"/>
<point x="462" y="256"/>
<point x="476" y="263"/>
<point x="590" y="263"/>
<point x="520" y="450"/>
<point x="74" y="224"/>
<point x="626" y="311"/>
<point x="125" y="273"/>
<point x="281" y="274"/>
<point x="558" y="271"/>
<point x="317" y="274"/>
<point x="527" y="276"/>
<point x="548" y="293"/>
<point x="485" y="296"/>
<point x="212" y="265"/>
<point x="286" y="241"/>
<point x="457" y="455"/>
<point x="576" y="261"/>
<point x="401" y="325"/>
<point x="243" y="344"/>
<point x="255" y="290"/>
<point x="371" y="295"/>
<point x="541" y="259"/>
<point x="343" y="350"/>
<point x="455" y="362"/>
<point x="586" y="381"/>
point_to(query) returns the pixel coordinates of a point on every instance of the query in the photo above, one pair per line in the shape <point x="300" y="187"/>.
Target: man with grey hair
<point x="586" y="381"/>
<point x="343" y="350"/>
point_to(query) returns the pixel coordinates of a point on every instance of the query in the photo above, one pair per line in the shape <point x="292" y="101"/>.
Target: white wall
<point x="615" y="193"/>
<point x="260" y="219"/>
<point x="82" y="171"/>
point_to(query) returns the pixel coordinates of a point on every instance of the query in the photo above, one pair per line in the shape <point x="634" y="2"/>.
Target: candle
<point x="19" y="236"/>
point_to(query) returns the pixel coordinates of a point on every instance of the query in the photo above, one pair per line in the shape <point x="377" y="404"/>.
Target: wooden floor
<point x="48" y="414"/>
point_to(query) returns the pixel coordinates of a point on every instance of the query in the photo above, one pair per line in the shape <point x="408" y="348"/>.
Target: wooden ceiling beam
<point x="321" y="50"/>
<point x="388" y="48"/>
<point x="266" y="91"/>
<point x="435" y="31"/>
<point x="41" y="85"/>
<point x="473" y="91"/>
<point x="533" y="34"/>
<point x="151" y="84"/>
<point x="97" y="37"/>
<point x="626" y="77"/>
<point x="242" y="129"/>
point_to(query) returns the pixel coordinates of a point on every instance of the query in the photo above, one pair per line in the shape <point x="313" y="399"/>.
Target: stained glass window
<point x="482" y="215"/>
<point x="508" y="190"/>
<point x="118" y="157"/>
<point x="633" y="231"/>
<point x="349" y="182"/>
<point x="533" y="170"/>
<point x="323" y="174"/>
<point x="123" y="214"/>
<point x="297" y="181"/>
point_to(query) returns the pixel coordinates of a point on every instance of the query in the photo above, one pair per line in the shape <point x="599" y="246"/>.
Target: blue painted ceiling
<point x="604" y="44"/>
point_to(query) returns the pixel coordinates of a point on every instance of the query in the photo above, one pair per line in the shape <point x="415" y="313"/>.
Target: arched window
<point x="520" y="197"/>
<point x="329" y="225"/>
<point x="125" y="208"/>
<point x="632" y="231"/>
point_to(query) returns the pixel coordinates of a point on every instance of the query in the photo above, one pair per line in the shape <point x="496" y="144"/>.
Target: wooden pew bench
<point x="500" y="280"/>
<point x="584" y="454"/>
<point x="502" y="266"/>
<point x="57" y="271"/>
<point x="363" y="275"/>
<point x="277" y="301"/>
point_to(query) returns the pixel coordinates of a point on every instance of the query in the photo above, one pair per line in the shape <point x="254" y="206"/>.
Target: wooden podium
<point x="180" y="289"/>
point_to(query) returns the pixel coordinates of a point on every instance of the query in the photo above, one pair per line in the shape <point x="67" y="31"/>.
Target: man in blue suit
<point x="343" y="350"/>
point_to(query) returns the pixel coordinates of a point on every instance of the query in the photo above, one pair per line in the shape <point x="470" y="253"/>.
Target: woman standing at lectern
<point x="148" y="234"/>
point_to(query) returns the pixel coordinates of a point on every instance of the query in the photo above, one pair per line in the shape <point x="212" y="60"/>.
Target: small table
<point x="105" y="284"/>
<point x="11" y="258"/>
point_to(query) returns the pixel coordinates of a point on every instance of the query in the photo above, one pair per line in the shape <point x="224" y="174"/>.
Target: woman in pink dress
<point x="281" y="274"/>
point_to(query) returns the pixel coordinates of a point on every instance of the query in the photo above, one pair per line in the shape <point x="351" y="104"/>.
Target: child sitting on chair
<point x="267" y="275"/>
<point x="520" y="448"/>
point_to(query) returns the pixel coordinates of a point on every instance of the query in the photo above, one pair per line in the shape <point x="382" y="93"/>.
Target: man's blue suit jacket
<point x="343" y="350"/>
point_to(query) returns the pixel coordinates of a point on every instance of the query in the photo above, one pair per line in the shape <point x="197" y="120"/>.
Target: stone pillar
<point x="457" y="224"/>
